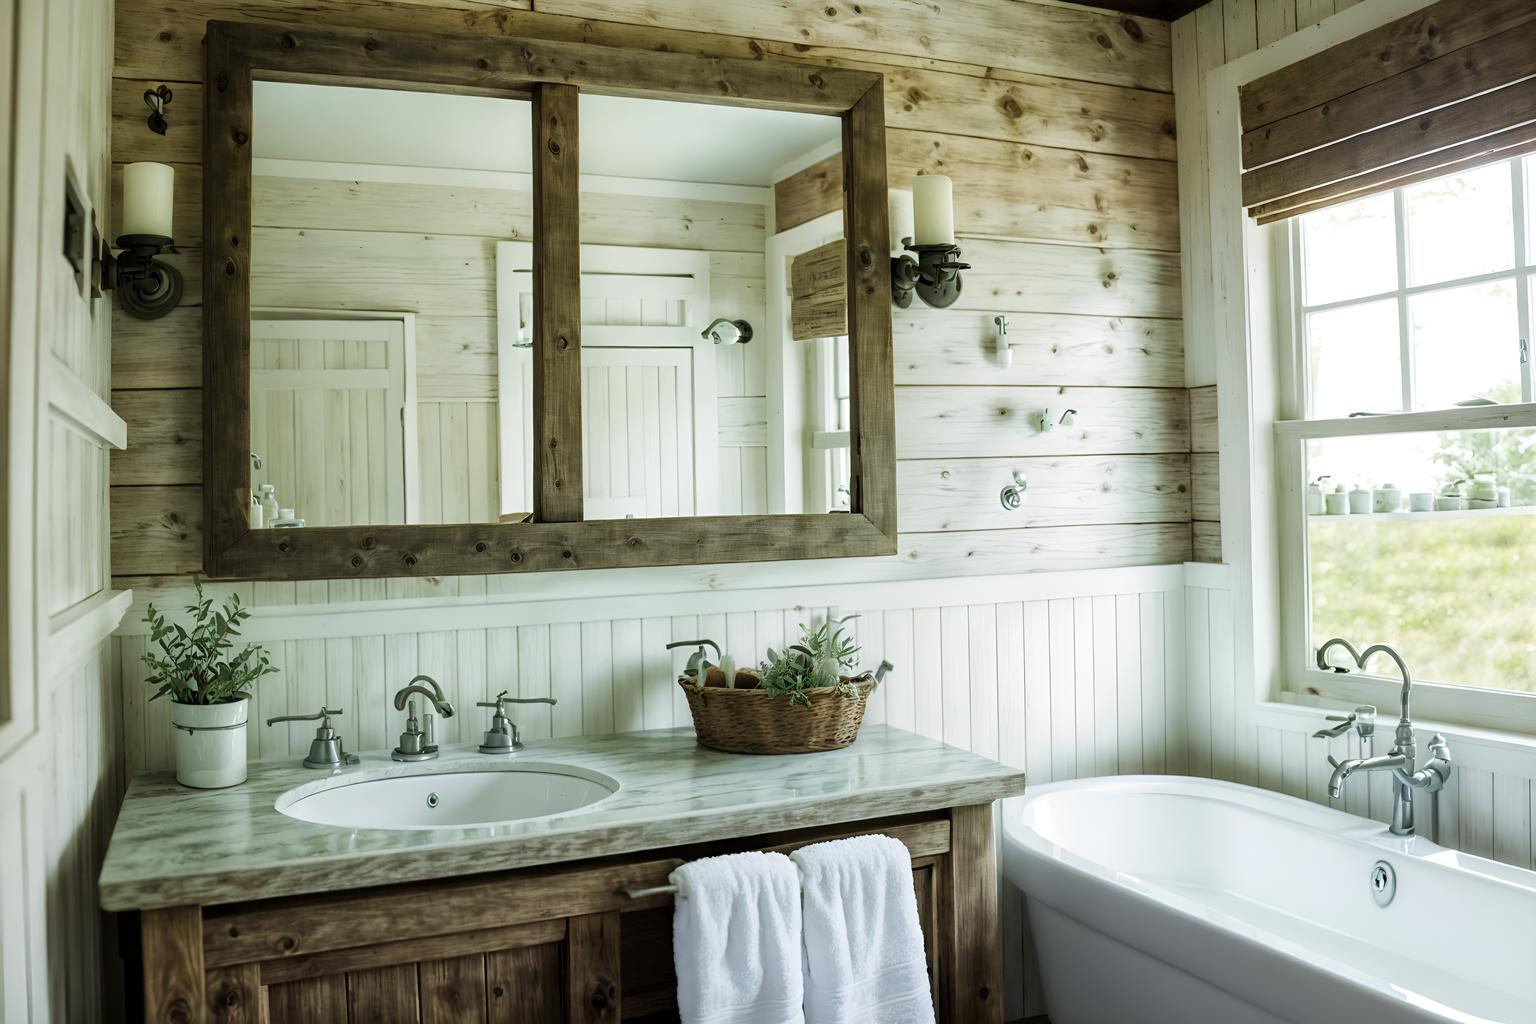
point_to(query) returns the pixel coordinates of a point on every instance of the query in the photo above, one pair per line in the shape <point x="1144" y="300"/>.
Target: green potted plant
<point x="208" y="683"/>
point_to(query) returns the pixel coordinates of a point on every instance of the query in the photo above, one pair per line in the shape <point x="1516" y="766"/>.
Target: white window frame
<point x="1247" y="310"/>
<point x="1303" y="678"/>
<point x="1521" y="274"/>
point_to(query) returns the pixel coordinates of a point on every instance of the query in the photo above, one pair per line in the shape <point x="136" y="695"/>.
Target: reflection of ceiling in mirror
<point x="620" y="136"/>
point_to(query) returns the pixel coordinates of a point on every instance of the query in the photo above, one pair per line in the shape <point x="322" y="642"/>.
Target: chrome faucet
<point x="503" y="736"/>
<point x="1400" y="761"/>
<point x="419" y="741"/>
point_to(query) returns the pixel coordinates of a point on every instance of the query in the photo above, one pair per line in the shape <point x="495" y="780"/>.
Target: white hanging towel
<point x="864" y="960"/>
<point x="736" y="940"/>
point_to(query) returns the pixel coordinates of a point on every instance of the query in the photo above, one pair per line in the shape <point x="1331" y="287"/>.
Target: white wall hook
<point x="1001" y="349"/>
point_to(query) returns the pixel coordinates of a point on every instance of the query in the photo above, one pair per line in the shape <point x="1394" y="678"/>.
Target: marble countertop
<point x="174" y="846"/>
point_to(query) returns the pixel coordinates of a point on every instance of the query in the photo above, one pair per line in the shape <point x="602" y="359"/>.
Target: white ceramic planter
<point x="210" y="743"/>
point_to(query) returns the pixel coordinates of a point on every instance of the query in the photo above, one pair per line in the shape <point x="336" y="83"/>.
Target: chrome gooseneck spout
<point x="1402" y="667"/>
<point x="434" y="696"/>
<point x="1338" y="641"/>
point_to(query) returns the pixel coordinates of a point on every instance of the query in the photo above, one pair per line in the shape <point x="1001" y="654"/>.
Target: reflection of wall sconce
<point x="1012" y="496"/>
<point x="724" y="331"/>
<point x="157" y="100"/>
<point x="935" y="274"/>
<point x="146" y="288"/>
<point x="1047" y="424"/>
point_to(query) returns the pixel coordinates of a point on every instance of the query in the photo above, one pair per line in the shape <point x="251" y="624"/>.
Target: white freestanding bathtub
<point x="1166" y="899"/>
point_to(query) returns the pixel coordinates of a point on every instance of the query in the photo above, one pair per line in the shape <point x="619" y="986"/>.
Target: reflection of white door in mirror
<point x="333" y="416"/>
<point x="649" y="416"/>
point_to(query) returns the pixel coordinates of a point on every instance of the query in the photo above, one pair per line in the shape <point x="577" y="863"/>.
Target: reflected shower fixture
<point x="1048" y="424"/>
<point x="725" y="331"/>
<point x="157" y="100"/>
<point x="146" y="288"/>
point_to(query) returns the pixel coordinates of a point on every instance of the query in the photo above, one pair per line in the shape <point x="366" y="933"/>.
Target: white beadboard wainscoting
<point x="1063" y="674"/>
<point x="1486" y="809"/>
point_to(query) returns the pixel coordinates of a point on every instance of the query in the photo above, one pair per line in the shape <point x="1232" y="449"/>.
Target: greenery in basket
<point x="817" y="661"/>
<point x="198" y="666"/>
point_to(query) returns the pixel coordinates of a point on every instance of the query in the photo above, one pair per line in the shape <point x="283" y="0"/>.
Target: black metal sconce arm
<point x="146" y="288"/>
<point x="934" y="275"/>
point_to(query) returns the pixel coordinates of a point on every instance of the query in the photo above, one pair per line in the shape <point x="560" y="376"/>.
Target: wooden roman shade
<point x="1448" y="87"/>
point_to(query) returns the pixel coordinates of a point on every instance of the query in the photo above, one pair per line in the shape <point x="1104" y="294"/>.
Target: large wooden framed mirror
<point x="458" y="321"/>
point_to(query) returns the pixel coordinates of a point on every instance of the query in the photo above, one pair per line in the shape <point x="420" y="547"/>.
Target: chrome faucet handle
<point x="1362" y="720"/>
<point x="324" y="712"/>
<point x="501" y="698"/>
<point x="503" y="736"/>
<point x="325" y="750"/>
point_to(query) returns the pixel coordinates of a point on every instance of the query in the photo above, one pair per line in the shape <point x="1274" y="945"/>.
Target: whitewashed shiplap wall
<point x="1064" y="675"/>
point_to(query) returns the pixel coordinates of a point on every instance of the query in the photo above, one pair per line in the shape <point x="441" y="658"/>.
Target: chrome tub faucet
<point x="419" y="741"/>
<point x="1400" y="761"/>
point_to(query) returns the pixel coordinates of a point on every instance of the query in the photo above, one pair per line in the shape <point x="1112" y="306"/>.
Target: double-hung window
<point x="1408" y="466"/>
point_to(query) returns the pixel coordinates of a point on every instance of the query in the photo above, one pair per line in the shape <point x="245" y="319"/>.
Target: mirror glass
<point x="391" y="296"/>
<point x="381" y="336"/>
<point x="709" y="387"/>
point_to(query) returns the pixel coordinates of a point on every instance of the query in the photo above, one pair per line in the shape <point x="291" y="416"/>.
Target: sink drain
<point x="432" y="800"/>
<point x="1383" y="883"/>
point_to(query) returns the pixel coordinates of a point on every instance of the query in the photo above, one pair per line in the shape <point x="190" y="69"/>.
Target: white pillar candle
<point x="933" y="210"/>
<point x="901" y="217"/>
<point x="148" y="192"/>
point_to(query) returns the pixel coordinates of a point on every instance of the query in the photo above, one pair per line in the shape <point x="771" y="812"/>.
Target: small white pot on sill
<point x="209" y="740"/>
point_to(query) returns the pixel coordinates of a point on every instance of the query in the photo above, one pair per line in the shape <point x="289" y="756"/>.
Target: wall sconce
<point x="725" y="331"/>
<point x="146" y="288"/>
<point x="157" y="100"/>
<point x="1048" y="424"/>
<point x="935" y="274"/>
<point x="1012" y="496"/>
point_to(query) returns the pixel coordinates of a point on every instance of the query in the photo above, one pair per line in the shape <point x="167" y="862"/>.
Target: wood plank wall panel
<point x="1205" y="475"/>
<point x="61" y="765"/>
<point x="1041" y="157"/>
<point x="1210" y="36"/>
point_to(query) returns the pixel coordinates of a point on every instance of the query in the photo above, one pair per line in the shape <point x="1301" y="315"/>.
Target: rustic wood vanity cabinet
<point x="249" y="914"/>
<point x="561" y="943"/>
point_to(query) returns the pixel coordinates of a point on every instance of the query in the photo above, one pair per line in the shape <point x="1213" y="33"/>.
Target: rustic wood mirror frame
<point x="551" y="74"/>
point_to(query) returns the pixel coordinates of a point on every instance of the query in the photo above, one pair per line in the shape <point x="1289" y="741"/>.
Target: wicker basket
<point x="753" y="722"/>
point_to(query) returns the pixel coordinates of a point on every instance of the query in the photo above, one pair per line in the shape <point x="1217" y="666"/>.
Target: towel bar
<point x="655" y="890"/>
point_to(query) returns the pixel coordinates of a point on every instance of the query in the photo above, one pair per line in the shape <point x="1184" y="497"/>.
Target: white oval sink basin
<point x="450" y="798"/>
